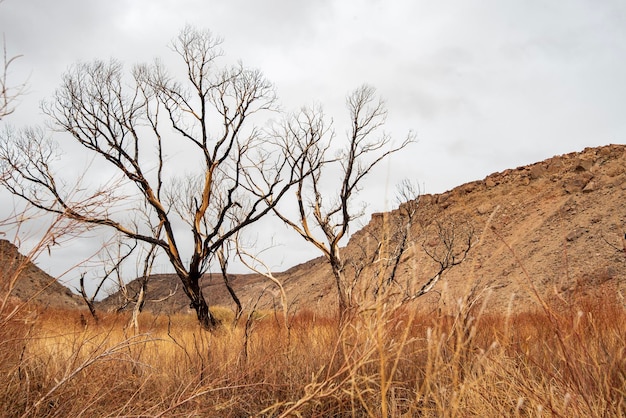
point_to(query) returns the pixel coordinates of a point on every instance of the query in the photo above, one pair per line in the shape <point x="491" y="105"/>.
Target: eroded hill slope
<point x="553" y="229"/>
<point x="27" y="282"/>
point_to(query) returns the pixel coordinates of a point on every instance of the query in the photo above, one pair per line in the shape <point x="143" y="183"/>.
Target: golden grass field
<point x="569" y="362"/>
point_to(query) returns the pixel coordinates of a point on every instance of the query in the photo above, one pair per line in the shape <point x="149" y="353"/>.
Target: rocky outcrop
<point x="554" y="226"/>
<point x="28" y="283"/>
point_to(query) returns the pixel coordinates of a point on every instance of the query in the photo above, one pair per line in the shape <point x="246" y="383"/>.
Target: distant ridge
<point x="555" y="227"/>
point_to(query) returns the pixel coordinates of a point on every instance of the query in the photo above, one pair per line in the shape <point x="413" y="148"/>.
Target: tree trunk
<point x="343" y="303"/>
<point x="141" y="299"/>
<point x="88" y="300"/>
<point x="234" y="296"/>
<point x="198" y="303"/>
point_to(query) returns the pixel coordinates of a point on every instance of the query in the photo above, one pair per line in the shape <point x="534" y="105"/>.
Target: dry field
<point x="565" y="362"/>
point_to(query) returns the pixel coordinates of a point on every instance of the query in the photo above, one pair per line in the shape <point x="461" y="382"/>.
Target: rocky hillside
<point x="27" y="282"/>
<point x="553" y="229"/>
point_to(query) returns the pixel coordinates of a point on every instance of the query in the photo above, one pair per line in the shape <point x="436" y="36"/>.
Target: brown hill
<point x="28" y="282"/>
<point x="556" y="227"/>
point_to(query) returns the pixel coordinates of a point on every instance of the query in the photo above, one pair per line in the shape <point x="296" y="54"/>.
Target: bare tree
<point x="386" y="243"/>
<point x="255" y="264"/>
<point x="138" y="125"/>
<point x="453" y="243"/>
<point x="134" y="295"/>
<point x="116" y="267"/>
<point x="391" y="241"/>
<point x="322" y="219"/>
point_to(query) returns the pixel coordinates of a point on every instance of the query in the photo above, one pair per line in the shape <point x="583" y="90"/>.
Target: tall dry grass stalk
<point x="385" y="363"/>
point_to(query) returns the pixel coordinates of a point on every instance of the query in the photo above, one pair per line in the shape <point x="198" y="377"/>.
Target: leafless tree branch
<point x="8" y="93"/>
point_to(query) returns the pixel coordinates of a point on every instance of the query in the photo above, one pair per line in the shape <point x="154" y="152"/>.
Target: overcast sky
<point x="486" y="85"/>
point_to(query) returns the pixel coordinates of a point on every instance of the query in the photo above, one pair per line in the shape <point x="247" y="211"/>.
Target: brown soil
<point x="29" y="283"/>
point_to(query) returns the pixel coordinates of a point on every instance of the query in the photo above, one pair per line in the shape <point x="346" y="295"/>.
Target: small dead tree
<point x="453" y="243"/>
<point x="138" y="297"/>
<point x="375" y="269"/>
<point x="138" y="125"/>
<point x="255" y="264"/>
<point x="392" y="241"/>
<point x="118" y="260"/>
<point x="619" y="248"/>
<point x="322" y="218"/>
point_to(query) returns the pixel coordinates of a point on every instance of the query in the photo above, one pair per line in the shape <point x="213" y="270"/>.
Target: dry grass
<point x="570" y="364"/>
